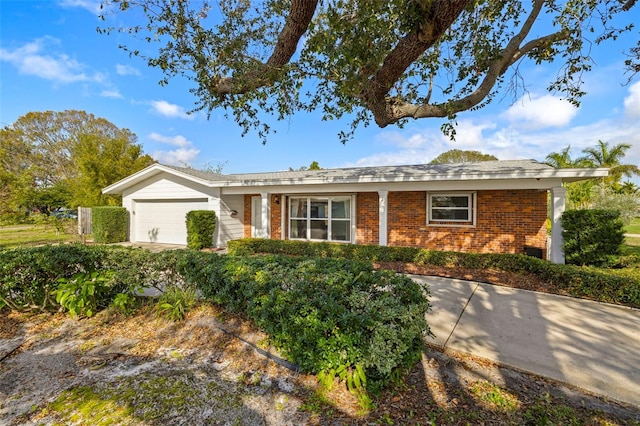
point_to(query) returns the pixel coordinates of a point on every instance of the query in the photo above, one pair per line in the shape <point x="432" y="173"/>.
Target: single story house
<point x="491" y="206"/>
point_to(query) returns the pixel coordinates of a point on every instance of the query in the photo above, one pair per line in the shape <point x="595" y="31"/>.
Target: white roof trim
<point x="148" y="172"/>
<point x="500" y="170"/>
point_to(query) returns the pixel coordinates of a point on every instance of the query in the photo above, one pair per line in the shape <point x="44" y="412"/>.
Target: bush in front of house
<point x="201" y="224"/>
<point x="605" y="285"/>
<point x="109" y="224"/>
<point x="592" y="237"/>
<point x="31" y="276"/>
<point x="333" y="316"/>
<point x="328" y="315"/>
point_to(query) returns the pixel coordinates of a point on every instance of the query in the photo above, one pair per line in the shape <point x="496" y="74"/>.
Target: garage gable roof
<point x="501" y="170"/>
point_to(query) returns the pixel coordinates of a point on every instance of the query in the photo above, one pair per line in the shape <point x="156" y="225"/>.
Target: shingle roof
<point x="416" y="172"/>
<point x="522" y="170"/>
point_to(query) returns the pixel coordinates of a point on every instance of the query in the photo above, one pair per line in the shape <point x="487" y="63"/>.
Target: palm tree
<point x="611" y="158"/>
<point x="562" y="160"/>
<point x="628" y="187"/>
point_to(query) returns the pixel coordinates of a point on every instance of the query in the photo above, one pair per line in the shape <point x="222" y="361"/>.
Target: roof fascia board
<point x="148" y="172"/>
<point x="395" y="182"/>
<point x="398" y="186"/>
<point x="567" y="175"/>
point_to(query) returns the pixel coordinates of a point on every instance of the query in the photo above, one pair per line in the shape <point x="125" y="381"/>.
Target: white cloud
<point x="184" y="153"/>
<point x="92" y="6"/>
<point x="539" y="112"/>
<point x="126" y="70"/>
<point x="423" y="146"/>
<point x="113" y="93"/>
<point x="506" y="143"/>
<point x="167" y="109"/>
<point x="632" y="102"/>
<point x="31" y="59"/>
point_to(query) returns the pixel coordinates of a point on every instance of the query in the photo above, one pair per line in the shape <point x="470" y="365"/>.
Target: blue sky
<point x="52" y="58"/>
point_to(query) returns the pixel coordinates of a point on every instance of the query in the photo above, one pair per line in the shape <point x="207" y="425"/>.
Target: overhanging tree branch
<point x="437" y="19"/>
<point x="395" y="109"/>
<point x="368" y="62"/>
<point x="296" y="24"/>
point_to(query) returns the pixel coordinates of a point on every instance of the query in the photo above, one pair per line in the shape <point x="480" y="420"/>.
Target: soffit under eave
<point x="480" y="185"/>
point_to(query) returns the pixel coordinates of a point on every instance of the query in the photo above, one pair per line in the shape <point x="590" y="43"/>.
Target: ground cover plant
<point x="337" y="317"/>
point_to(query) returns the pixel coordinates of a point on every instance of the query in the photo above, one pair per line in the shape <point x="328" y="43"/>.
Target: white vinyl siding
<point x="164" y="221"/>
<point x="231" y="226"/>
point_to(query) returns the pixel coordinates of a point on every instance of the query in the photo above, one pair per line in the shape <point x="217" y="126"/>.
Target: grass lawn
<point x="34" y="235"/>
<point x="631" y="246"/>
<point x="633" y="227"/>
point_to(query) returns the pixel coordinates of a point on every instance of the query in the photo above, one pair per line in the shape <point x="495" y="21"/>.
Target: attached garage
<point x="163" y="221"/>
<point x="159" y="197"/>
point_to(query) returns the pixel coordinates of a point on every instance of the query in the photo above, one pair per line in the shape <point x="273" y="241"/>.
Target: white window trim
<point x="350" y="219"/>
<point x="473" y="205"/>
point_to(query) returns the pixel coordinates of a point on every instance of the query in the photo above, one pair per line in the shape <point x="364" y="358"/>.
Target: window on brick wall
<point x="451" y="209"/>
<point x="320" y="218"/>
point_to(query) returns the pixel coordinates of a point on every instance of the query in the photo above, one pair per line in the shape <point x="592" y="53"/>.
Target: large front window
<point x="320" y="218"/>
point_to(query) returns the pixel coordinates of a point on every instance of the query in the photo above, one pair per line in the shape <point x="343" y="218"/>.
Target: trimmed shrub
<point x="109" y="224"/>
<point x="201" y="224"/>
<point x="605" y="285"/>
<point x="30" y="276"/>
<point x="328" y="314"/>
<point x="592" y="237"/>
<point x="334" y="316"/>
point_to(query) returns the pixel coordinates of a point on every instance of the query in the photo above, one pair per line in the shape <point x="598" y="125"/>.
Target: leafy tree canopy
<point x="385" y="61"/>
<point x="61" y="159"/>
<point x="313" y="166"/>
<point x="460" y="156"/>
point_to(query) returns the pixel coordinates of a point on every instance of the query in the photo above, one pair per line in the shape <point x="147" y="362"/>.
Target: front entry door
<point x="256" y="217"/>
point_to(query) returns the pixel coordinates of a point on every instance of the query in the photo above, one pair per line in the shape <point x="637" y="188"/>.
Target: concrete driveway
<point x="593" y="346"/>
<point x="152" y="247"/>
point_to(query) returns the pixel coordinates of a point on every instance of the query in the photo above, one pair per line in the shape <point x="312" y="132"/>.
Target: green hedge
<point x="611" y="286"/>
<point x="109" y="224"/>
<point x="201" y="224"/>
<point x="592" y="237"/>
<point x="29" y="276"/>
<point x="325" y="315"/>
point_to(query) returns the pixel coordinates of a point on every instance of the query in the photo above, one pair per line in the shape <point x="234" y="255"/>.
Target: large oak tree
<point x="381" y="60"/>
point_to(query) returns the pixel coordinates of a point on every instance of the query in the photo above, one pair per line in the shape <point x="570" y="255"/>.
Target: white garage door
<point x="164" y="221"/>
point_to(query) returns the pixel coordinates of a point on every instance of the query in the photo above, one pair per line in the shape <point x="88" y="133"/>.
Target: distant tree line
<point x="64" y="159"/>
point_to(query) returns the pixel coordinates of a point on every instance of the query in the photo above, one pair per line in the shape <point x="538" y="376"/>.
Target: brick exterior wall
<point x="506" y="222"/>
<point x="247" y="214"/>
<point x="367" y="213"/>
<point x="276" y="216"/>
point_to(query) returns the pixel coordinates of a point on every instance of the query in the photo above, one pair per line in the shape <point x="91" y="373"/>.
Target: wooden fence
<point x="84" y="222"/>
